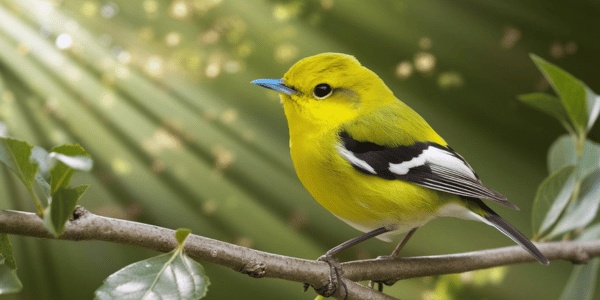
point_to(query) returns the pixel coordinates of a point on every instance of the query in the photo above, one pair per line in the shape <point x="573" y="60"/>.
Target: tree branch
<point x="412" y="267"/>
<point x="87" y="226"/>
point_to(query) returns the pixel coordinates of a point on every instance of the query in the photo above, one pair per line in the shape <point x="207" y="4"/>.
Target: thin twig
<point x="413" y="267"/>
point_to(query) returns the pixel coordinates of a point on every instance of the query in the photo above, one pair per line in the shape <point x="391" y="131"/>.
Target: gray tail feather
<point x="513" y="233"/>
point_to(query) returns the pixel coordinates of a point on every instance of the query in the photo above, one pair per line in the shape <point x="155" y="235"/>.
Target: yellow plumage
<point x="370" y="159"/>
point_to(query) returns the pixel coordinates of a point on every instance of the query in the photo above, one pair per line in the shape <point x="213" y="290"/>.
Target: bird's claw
<point x="335" y="277"/>
<point x="380" y="283"/>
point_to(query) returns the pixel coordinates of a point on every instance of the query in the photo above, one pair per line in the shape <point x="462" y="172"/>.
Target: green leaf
<point x="16" y="155"/>
<point x="593" y="107"/>
<point x="6" y="251"/>
<point x="181" y="235"/>
<point x="9" y="281"/>
<point x="582" y="211"/>
<point x="582" y="281"/>
<point x="590" y="157"/>
<point x="61" y="208"/>
<point x="572" y="92"/>
<point x="550" y="105"/>
<point x="551" y="198"/>
<point x="40" y="156"/>
<point x="74" y="156"/>
<point x="70" y="158"/>
<point x="169" y="276"/>
<point x="563" y="153"/>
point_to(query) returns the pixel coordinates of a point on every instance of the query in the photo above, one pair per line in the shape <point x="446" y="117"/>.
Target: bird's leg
<point x="393" y="255"/>
<point x="336" y="271"/>
<point x="400" y="245"/>
<point x="357" y="240"/>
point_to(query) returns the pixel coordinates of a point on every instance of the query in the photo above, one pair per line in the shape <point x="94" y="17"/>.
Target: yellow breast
<point x="364" y="201"/>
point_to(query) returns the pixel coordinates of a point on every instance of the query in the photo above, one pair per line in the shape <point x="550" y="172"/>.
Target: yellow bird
<point x="371" y="160"/>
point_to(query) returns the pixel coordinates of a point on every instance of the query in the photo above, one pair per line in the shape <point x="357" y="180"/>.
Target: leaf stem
<point x="38" y="203"/>
<point x="579" y="138"/>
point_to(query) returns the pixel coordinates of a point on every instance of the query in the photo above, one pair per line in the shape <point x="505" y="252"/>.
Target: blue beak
<point x="276" y="85"/>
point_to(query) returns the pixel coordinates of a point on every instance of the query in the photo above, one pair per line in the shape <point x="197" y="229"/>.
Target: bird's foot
<point x="335" y="277"/>
<point x="380" y="283"/>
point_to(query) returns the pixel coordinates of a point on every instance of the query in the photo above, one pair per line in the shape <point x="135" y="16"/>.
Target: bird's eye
<point x="322" y="90"/>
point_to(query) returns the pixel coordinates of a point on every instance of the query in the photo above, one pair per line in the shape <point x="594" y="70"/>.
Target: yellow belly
<point x="364" y="201"/>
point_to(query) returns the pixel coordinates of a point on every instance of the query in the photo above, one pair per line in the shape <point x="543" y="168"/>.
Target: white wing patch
<point x="434" y="156"/>
<point x="349" y="155"/>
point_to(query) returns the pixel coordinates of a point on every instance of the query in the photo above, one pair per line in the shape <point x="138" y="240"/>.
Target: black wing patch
<point x="424" y="163"/>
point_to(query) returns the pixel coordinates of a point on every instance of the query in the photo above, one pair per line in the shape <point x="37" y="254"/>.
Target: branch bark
<point x="88" y="226"/>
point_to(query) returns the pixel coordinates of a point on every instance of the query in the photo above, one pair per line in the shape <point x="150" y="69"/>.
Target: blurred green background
<point x="158" y="91"/>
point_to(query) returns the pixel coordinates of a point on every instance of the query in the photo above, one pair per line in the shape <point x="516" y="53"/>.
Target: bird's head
<point x="327" y="90"/>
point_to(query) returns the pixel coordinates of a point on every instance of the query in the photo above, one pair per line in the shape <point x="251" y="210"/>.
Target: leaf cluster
<point x="567" y="201"/>
<point x="46" y="176"/>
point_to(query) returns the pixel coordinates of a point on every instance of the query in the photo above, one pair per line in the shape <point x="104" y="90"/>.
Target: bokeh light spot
<point x="229" y="116"/>
<point x="204" y="6"/>
<point x="89" y="8"/>
<point x="209" y="207"/>
<point x="424" y="62"/>
<point x="109" y="10"/>
<point x="245" y="48"/>
<point x="150" y="6"/>
<point x="285" y="11"/>
<point x="404" y="69"/>
<point x="121" y="166"/>
<point x="123" y="56"/>
<point x="108" y="99"/>
<point x="425" y="43"/>
<point x="571" y="48"/>
<point x="212" y="70"/>
<point x="172" y="39"/>
<point x="510" y="38"/>
<point x="154" y="66"/>
<point x="210" y="37"/>
<point x="64" y="41"/>
<point x="285" y="53"/>
<point x="447" y="80"/>
<point x="179" y="9"/>
<point x="232" y="66"/>
<point x="224" y="158"/>
<point x="23" y="49"/>
<point x="161" y="140"/>
<point x="557" y="50"/>
<point x="327" y="4"/>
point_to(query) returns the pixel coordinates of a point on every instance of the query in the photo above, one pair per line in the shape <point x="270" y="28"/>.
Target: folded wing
<point x="424" y="163"/>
